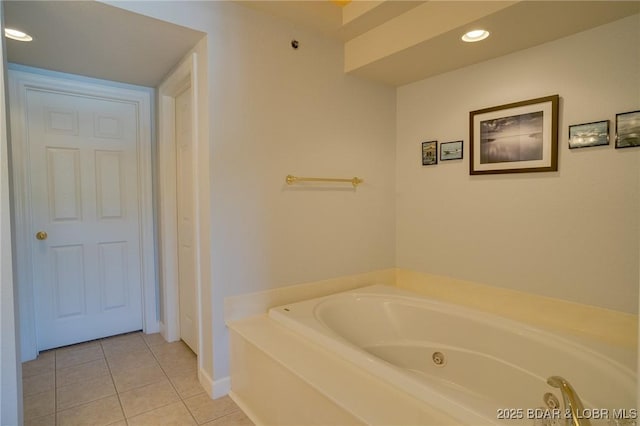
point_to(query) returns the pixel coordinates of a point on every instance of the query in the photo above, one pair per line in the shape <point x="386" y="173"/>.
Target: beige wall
<point x="572" y="234"/>
<point x="275" y="111"/>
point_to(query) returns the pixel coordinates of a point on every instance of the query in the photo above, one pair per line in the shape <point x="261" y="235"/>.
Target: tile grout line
<point x="169" y="379"/>
<point x="138" y="387"/>
<point x="55" y="387"/>
<point x="192" y="396"/>
<point x="124" y="416"/>
<point x="83" y="380"/>
<point x="165" y="376"/>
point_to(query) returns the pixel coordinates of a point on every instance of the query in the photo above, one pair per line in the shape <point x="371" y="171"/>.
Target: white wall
<point x="10" y="385"/>
<point x="10" y="377"/>
<point x="571" y="234"/>
<point x="275" y="111"/>
<point x="283" y="111"/>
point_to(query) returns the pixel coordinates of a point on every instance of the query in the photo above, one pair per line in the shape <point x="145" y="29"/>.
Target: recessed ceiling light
<point x="17" y="35"/>
<point x="475" y="35"/>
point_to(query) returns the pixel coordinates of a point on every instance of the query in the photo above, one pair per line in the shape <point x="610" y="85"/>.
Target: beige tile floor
<point x="132" y="379"/>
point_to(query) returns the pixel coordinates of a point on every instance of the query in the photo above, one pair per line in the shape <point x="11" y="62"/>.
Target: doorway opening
<point x="180" y="281"/>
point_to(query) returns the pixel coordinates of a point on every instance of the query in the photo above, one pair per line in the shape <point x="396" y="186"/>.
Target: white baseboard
<point x="206" y="382"/>
<point x="214" y="388"/>
<point x="221" y="387"/>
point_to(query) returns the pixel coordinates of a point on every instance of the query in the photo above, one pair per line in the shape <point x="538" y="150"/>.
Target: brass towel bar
<point x="290" y="179"/>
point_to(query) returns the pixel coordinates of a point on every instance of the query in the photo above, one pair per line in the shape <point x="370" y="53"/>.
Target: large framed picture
<point x="429" y="153"/>
<point x="589" y="134"/>
<point x="628" y="129"/>
<point x="520" y="137"/>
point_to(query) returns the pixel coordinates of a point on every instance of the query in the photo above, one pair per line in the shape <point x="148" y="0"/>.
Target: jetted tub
<point x="477" y="367"/>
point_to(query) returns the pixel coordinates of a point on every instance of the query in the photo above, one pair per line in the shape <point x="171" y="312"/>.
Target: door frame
<point x="19" y="83"/>
<point x="183" y="77"/>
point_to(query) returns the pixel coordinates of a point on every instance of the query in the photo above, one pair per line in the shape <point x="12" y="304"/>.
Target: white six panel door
<point x="186" y="252"/>
<point x="84" y="193"/>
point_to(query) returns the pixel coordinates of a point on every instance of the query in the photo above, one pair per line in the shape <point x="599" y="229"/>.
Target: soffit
<point x="96" y="40"/>
<point x="520" y="26"/>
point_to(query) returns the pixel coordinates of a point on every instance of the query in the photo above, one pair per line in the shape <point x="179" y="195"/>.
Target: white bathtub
<point x="492" y="367"/>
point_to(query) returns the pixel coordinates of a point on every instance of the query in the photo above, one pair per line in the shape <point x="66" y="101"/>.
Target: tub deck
<point x="280" y="378"/>
<point x="314" y="363"/>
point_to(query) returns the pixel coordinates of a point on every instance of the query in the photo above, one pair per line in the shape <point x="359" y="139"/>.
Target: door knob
<point x="41" y="235"/>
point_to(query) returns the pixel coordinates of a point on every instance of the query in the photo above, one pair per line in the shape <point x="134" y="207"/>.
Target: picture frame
<point x="451" y="150"/>
<point x="628" y="129"/>
<point x="589" y="134"/>
<point x="429" y="153"/>
<point x="520" y="137"/>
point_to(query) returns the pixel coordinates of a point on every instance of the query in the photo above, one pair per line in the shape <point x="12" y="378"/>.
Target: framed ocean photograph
<point x="429" y="153"/>
<point x="589" y="134"/>
<point x="628" y="129"/>
<point x="520" y="137"/>
<point x="451" y="150"/>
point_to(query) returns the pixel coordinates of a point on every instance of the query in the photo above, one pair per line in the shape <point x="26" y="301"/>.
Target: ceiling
<point x="96" y="40"/>
<point x="391" y="41"/>
<point x="397" y="42"/>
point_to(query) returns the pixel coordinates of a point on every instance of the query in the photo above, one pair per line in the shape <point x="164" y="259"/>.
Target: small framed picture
<point x="628" y="129"/>
<point x="429" y="153"/>
<point x="451" y="150"/>
<point x="589" y="134"/>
